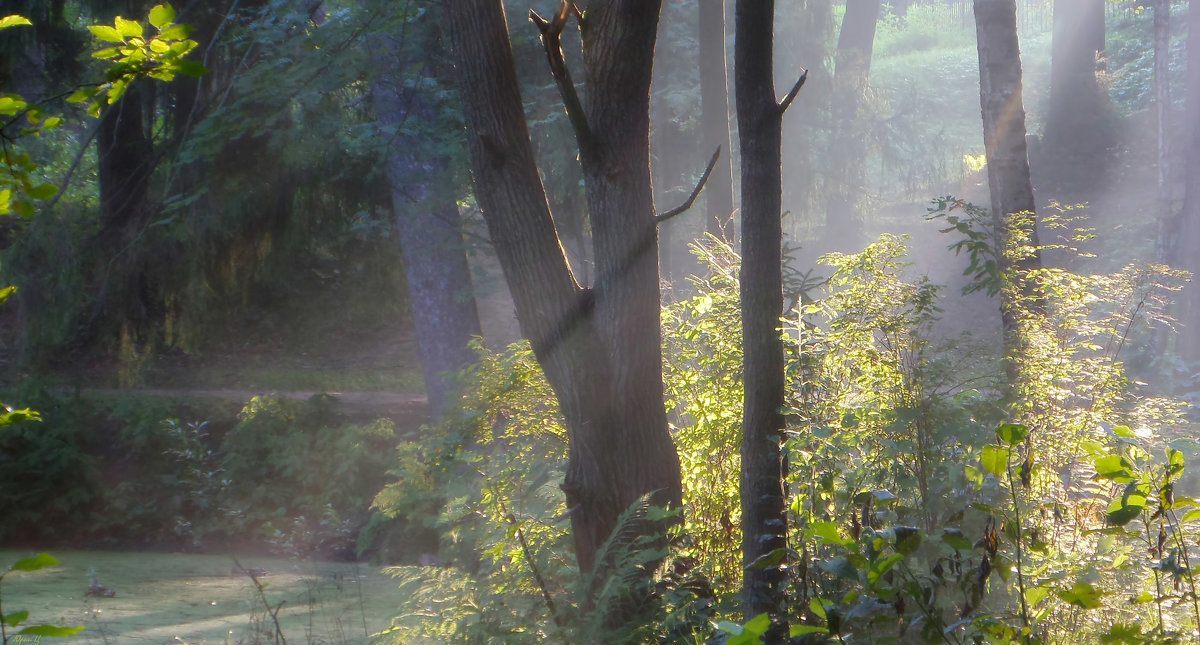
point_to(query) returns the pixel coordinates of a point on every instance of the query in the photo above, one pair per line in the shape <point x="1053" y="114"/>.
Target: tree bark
<point x="1189" y="340"/>
<point x="1078" y="132"/>
<point x="1162" y="109"/>
<point x="764" y="508"/>
<point x="849" y="151"/>
<point x="714" y="116"/>
<point x="427" y="219"/>
<point x="600" y="347"/>
<point x="1004" y="144"/>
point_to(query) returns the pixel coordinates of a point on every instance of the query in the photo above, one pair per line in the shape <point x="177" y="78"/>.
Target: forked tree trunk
<point x="600" y="347"/>
<point x="714" y="116"/>
<point x="764" y="509"/>
<point x="1004" y="143"/>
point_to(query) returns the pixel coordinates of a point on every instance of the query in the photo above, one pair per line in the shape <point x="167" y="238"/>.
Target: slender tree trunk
<point x="1162" y="110"/>
<point x="1189" y="341"/>
<point x="714" y="116"/>
<point x="1004" y="143"/>
<point x="600" y="347"/>
<point x="848" y="151"/>
<point x="764" y="508"/>
<point x="427" y="219"/>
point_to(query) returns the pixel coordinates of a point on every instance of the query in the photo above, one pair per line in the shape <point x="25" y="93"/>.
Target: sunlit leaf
<point x="130" y="28"/>
<point x="1011" y="434"/>
<point x="15" y="618"/>
<point x="51" y="631"/>
<point x="162" y="15"/>
<point x="193" y="68"/>
<point x="994" y="459"/>
<point x="1082" y="595"/>
<point x="106" y="33"/>
<point x="13" y="21"/>
<point x="1114" y="467"/>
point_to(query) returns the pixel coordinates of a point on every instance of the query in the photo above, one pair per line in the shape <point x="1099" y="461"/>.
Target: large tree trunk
<point x="1007" y="157"/>
<point x="600" y="347"/>
<point x="1078" y="131"/>
<point x="1189" y="341"/>
<point x="714" y="116"/>
<point x="427" y="219"/>
<point x="764" y="508"/>
<point x="848" y="153"/>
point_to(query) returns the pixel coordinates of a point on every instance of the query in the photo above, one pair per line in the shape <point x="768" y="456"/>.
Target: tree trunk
<point x="1004" y="144"/>
<point x="1189" y="341"/>
<point x="427" y="219"/>
<point x="714" y="116"/>
<point x="1078" y="129"/>
<point x="848" y="153"/>
<point x="600" y="347"/>
<point x="764" y="508"/>
<point x="1162" y="109"/>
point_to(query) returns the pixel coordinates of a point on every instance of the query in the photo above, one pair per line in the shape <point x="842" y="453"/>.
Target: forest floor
<point x="165" y="598"/>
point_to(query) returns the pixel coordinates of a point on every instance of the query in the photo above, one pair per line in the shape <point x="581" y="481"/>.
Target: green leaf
<point x="995" y="460"/>
<point x="827" y="532"/>
<point x="13" y="21"/>
<point x="1123" y="509"/>
<point x="1123" y="634"/>
<point x="52" y="123"/>
<point x="40" y="561"/>
<point x="767" y="560"/>
<point x="83" y="94"/>
<point x="730" y="627"/>
<point x="6" y="291"/>
<point x="1011" y="434"/>
<point x="44" y="191"/>
<point x="817" y="606"/>
<point x="162" y="15"/>
<point x="176" y="32"/>
<point x="974" y="476"/>
<point x="51" y="631"/>
<point x="956" y="540"/>
<point x="908" y="539"/>
<point x="10" y="105"/>
<point x="1189" y="516"/>
<point x="1114" y="467"/>
<point x="106" y="53"/>
<point x="193" y="68"/>
<point x="759" y="624"/>
<point x="15" y="618"/>
<point x="106" y="33"/>
<point x="1123" y="432"/>
<point x="1034" y="595"/>
<point x="1082" y="595"/>
<point x="800" y="630"/>
<point x="130" y="28"/>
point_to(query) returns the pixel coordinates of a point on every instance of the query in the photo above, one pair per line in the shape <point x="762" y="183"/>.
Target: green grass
<point x="164" y="598"/>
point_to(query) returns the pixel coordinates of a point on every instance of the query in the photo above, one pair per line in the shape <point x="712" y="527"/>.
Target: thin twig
<point x="712" y="162"/>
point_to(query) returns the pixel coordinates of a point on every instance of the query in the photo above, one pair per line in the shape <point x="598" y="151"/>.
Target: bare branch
<point x="552" y="42"/>
<point x="787" y="100"/>
<point x="695" y="192"/>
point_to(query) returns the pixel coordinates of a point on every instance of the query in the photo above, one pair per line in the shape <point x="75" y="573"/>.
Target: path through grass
<point x="172" y="598"/>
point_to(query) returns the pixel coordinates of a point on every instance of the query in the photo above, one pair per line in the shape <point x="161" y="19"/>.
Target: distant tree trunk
<point x="848" y="151"/>
<point x="1078" y="132"/>
<point x="1004" y="143"/>
<point x="1162" y="111"/>
<point x="600" y="347"/>
<point x="424" y="202"/>
<point x="764" y="507"/>
<point x="714" y="116"/>
<point x="1189" y="341"/>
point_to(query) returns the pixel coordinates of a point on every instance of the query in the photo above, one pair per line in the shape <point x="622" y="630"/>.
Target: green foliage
<point x="14" y="619"/>
<point x="161" y="57"/>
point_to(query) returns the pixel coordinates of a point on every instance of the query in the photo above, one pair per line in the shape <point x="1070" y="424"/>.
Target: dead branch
<point x="551" y="31"/>
<point x="659" y="219"/>
<point x="787" y="100"/>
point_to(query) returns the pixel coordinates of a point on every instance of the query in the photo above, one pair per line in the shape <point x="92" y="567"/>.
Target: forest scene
<point x="605" y="321"/>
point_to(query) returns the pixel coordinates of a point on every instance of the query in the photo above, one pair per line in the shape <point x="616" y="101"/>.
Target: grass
<point x="163" y="598"/>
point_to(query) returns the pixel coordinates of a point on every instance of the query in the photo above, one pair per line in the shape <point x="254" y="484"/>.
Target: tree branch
<point x="659" y="219"/>
<point x="787" y="100"/>
<point x="551" y="31"/>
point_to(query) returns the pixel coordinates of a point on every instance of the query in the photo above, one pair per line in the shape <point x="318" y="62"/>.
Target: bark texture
<point x="1003" y="113"/>
<point x="1189" y="341"/>
<point x="427" y="219"/>
<point x="714" y="116"/>
<point x="848" y="154"/>
<point x="600" y="347"/>
<point x="760" y="120"/>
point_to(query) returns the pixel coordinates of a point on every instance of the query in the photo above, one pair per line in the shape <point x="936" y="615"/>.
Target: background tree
<point x="760" y="122"/>
<point x="600" y="347"/>
<point x="714" y="114"/>
<point x="421" y="176"/>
